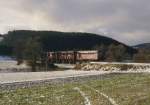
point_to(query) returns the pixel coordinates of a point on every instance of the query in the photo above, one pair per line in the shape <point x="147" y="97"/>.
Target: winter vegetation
<point x="107" y="66"/>
<point x="11" y="66"/>
<point x="125" y="89"/>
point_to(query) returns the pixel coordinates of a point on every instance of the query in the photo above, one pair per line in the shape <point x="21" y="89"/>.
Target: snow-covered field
<point x="119" y="63"/>
<point x="34" y="76"/>
<point x="114" y="66"/>
<point x="11" y="66"/>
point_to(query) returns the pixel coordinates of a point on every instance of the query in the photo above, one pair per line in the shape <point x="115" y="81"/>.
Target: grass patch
<point x="125" y="89"/>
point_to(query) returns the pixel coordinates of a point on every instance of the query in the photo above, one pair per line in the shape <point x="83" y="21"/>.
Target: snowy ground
<point x="113" y="66"/>
<point x="120" y="63"/>
<point x="11" y="64"/>
<point x="33" y="76"/>
<point x="8" y="64"/>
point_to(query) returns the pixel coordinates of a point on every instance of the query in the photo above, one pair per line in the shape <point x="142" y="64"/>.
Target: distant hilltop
<point x="1" y="35"/>
<point x="143" y="46"/>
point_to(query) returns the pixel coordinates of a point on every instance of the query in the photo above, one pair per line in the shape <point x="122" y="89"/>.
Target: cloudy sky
<point x="127" y="21"/>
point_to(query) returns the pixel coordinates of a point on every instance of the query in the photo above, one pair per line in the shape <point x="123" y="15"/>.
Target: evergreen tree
<point x="120" y="53"/>
<point x="116" y="53"/>
<point x="142" y="56"/>
<point x="110" y="54"/>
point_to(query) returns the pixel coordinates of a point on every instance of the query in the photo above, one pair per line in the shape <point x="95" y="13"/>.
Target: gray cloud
<point x="125" y="20"/>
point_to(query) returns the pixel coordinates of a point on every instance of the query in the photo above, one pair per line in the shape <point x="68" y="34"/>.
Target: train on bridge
<point x="72" y="56"/>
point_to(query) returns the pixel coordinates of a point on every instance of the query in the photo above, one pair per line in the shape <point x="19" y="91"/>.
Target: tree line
<point x="118" y="53"/>
<point x="113" y="53"/>
<point x="32" y="52"/>
<point x="143" y="56"/>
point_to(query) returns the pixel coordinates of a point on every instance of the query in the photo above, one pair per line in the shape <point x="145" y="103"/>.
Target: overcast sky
<point x="127" y="21"/>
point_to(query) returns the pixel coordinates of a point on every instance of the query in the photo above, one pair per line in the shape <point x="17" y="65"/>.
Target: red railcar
<point x="72" y="56"/>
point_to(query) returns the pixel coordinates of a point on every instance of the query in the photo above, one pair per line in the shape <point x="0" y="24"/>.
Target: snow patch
<point x="101" y="66"/>
<point x="86" y="100"/>
<point x="112" y="101"/>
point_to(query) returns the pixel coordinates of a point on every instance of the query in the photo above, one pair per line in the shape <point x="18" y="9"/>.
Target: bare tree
<point x="33" y="52"/>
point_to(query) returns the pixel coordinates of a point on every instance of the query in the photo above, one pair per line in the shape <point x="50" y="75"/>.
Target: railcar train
<point x="72" y="56"/>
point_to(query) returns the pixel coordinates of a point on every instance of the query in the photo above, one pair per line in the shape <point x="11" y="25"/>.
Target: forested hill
<point x="143" y="46"/>
<point x="54" y="41"/>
